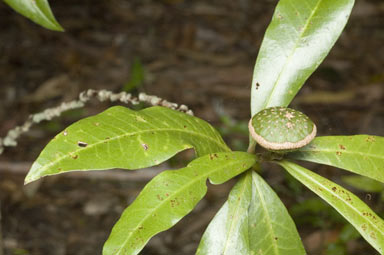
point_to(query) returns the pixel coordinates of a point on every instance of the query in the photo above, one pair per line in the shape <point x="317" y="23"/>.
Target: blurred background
<point x="199" y="53"/>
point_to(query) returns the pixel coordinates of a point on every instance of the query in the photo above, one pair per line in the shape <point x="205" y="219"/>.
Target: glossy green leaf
<point x="360" y="154"/>
<point x="169" y="197"/>
<point x="37" y="11"/>
<point x="367" y="222"/>
<point x="228" y="231"/>
<point x="299" y="37"/>
<point x="272" y="230"/>
<point x="252" y="221"/>
<point x="123" y="138"/>
<point x="363" y="183"/>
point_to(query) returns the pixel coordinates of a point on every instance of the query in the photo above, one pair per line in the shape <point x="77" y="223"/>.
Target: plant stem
<point x="251" y="146"/>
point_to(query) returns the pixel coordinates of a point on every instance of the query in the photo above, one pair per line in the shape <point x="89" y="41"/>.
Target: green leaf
<point x="228" y="231"/>
<point x="123" y="138"/>
<point x="360" y="154"/>
<point x="169" y="197"/>
<point x="252" y="221"/>
<point x="363" y="183"/>
<point x="367" y="222"/>
<point x="272" y="229"/>
<point x="299" y="37"/>
<point x="37" y="11"/>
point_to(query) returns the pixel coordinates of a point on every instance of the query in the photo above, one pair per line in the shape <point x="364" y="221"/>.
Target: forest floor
<point x="199" y="53"/>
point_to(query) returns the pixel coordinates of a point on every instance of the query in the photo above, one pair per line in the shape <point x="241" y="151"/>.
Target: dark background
<point x="200" y="53"/>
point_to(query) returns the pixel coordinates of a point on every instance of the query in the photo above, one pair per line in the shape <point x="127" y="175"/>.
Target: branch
<point x="10" y="140"/>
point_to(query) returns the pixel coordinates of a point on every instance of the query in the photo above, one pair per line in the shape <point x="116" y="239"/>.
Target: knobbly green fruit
<point x="281" y="129"/>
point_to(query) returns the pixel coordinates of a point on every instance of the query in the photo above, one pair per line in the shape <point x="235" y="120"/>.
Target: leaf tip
<point x="32" y="174"/>
<point x="29" y="178"/>
<point x="57" y="27"/>
<point x="54" y="26"/>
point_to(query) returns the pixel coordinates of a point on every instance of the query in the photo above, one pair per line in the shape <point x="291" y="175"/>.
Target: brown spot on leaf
<point x="75" y="156"/>
<point x="145" y="146"/>
<point x="276" y="238"/>
<point x="257" y="85"/>
<point x="338" y="153"/>
<point x="174" y="202"/>
<point x="212" y="156"/>
<point x="370" y="139"/>
<point x="342" y="147"/>
<point x="372" y="235"/>
<point x="334" y="189"/>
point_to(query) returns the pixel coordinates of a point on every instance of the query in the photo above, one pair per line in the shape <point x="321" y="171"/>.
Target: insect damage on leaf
<point x="82" y="144"/>
<point x="145" y="146"/>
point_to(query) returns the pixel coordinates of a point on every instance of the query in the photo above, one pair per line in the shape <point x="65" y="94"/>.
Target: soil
<point x="198" y="53"/>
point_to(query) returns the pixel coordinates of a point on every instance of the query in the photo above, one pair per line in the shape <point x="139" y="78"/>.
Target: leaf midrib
<point x="232" y="222"/>
<point x="291" y="54"/>
<point x="331" y="151"/>
<point x="269" y="220"/>
<point x="47" y="166"/>
<point x="192" y="182"/>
